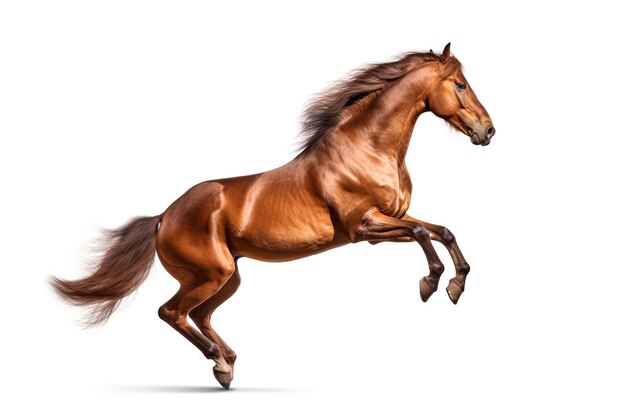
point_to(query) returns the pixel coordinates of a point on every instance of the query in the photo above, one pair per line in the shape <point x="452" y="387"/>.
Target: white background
<point x="113" y="109"/>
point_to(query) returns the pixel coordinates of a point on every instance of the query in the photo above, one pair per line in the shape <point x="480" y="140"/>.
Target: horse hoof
<point x="454" y="291"/>
<point x="223" y="377"/>
<point x="426" y="289"/>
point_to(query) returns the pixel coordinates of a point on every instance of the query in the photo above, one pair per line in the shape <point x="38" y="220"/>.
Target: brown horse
<point x="349" y="184"/>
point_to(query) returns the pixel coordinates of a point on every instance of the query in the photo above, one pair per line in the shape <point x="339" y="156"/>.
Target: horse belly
<point x="282" y="232"/>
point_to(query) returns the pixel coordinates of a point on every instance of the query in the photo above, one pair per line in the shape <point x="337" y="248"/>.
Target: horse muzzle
<point x="482" y="136"/>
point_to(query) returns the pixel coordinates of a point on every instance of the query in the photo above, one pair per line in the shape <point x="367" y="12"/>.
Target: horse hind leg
<point x="201" y="316"/>
<point x="197" y="286"/>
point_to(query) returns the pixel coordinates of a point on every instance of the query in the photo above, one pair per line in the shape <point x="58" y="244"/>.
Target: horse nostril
<point x="490" y="132"/>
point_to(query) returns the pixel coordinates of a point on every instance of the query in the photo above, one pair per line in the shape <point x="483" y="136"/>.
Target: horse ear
<point x="445" y="55"/>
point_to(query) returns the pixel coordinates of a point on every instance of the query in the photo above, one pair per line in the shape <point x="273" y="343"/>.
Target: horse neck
<point x="386" y="122"/>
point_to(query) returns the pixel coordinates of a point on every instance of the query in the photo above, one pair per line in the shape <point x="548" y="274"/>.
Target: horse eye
<point x="461" y="86"/>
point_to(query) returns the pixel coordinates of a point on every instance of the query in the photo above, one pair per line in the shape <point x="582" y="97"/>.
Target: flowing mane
<point x="323" y="113"/>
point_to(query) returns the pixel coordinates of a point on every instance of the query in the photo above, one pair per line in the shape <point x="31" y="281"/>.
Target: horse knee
<point x="420" y="233"/>
<point x="447" y="236"/>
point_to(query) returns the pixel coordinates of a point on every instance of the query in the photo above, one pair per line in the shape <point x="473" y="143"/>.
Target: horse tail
<point x="127" y="254"/>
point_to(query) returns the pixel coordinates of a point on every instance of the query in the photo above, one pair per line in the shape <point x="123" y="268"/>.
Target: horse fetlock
<point x="436" y="269"/>
<point x="214" y="352"/>
<point x="230" y="357"/>
<point x="463" y="269"/>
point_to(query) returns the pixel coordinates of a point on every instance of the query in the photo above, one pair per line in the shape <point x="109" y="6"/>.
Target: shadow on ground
<point x="187" y="389"/>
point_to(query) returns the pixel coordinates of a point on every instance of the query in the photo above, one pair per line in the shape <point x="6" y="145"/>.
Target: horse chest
<point x="392" y="201"/>
<point x="392" y="193"/>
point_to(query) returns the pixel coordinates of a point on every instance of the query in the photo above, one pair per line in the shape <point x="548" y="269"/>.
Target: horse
<point x="349" y="183"/>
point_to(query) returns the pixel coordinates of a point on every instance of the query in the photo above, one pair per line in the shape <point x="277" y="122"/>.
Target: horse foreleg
<point x="377" y="227"/>
<point x="441" y="234"/>
<point x="201" y="316"/>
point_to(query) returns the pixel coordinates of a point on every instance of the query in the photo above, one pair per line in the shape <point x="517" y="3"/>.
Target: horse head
<point x="451" y="98"/>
